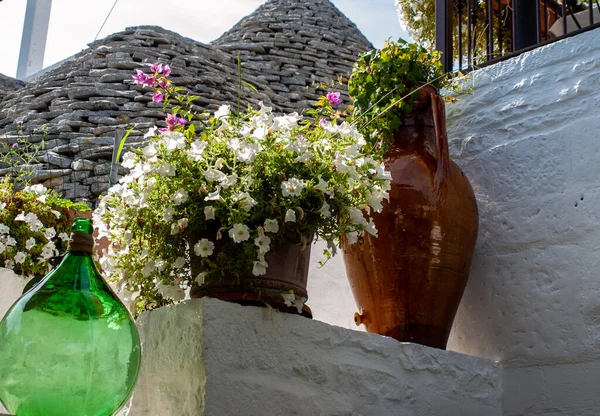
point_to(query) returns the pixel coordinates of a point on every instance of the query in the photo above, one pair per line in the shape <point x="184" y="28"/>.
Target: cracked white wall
<point x="528" y="138"/>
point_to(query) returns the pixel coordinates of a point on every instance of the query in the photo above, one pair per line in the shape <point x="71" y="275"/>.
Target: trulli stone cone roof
<point x="287" y="48"/>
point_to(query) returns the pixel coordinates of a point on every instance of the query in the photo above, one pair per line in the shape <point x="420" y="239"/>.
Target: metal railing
<point x="474" y="33"/>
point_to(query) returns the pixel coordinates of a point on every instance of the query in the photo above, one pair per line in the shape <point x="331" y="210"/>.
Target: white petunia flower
<point x="30" y="243"/>
<point x="179" y="263"/>
<point x="50" y="233"/>
<point x="2" y="248"/>
<point x="150" y="150"/>
<point x="244" y="199"/>
<point x="229" y="181"/>
<point x="151" y="133"/>
<point x="160" y="264"/>
<point x="271" y="226"/>
<point x="262" y="243"/>
<point x="222" y="112"/>
<point x="325" y="212"/>
<point x="2" y="205"/>
<point x="204" y="248"/>
<point x="129" y="160"/>
<point x="64" y="236"/>
<point x="239" y="233"/>
<point x="356" y="216"/>
<point x="9" y="264"/>
<point x="196" y="150"/>
<point x="292" y="187"/>
<point x="166" y="169"/>
<point x="371" y="229"/>
<point x="179" y="226"/>
<point x="290" y="216"/>
<point x="299" y="303"/>
<point x="286" y="122"/>
<point x="4" y="229"/>
<point x="37" y="189"/>
<point x="248" y="152"/>
<point x="214" y="175"/>
<point x="259" y="268"/>
<point x="303" y="158"/>
<point x="234" y="144"/>
<point x="148" y="268"/>
<point x="46" y="253"/>
<point x="200" y="278"/>
<point x="214" y="196"/>
<point x="56" y="213"/>
<point x="352" y="237"/>
<point x="209" y="212"/>
<point x="288" y="298"/>
<point x="300" y="145"/>
<point x="168" y="214"/>
<point x="22" y="217"/>
<point x="173" y="140"/>
<point x="171" y="292"/>
<point x="10" y="242"/>
<point x="260" y="133"/>
<point x="20" y="257"/>
<point x="180" y="197"/>
<point x="219" y="163"/>
<point x="323" y="186"/>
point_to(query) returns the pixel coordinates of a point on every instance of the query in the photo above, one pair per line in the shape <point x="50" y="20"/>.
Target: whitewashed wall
<point x="529" y="140"/>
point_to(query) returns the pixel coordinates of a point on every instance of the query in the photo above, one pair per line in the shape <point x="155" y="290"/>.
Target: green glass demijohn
<point x="68" y="347"/>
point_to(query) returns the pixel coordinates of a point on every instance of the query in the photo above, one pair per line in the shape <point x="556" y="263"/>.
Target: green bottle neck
<point x="76" y="271"/>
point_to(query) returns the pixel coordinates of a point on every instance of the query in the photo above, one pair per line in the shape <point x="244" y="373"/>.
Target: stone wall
<point x="529" y="140"/>
<point x="288" y="50"/>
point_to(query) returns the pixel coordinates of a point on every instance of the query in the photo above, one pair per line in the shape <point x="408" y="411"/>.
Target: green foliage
<point x="384" y="82"/>
<point x="34" y="221"/>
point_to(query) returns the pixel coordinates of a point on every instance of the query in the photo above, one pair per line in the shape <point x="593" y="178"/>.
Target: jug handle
<point x="441" y="147"/>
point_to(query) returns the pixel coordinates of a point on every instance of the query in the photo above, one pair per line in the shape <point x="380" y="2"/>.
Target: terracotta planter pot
<point x="288" y="270"/>
<point x="408" y="282"/>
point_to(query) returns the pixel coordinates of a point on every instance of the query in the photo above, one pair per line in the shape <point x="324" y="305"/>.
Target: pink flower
<point x="323" y="122"/>
<point x="334" y="98"/>
<point x="163" y="83"/>
<point x="144" y="79"/>
<point x="173" y="122"/>
<point x="140" y="78"/>
<point x="166" y="70"/>
<point x="150" y="81"/>
<point x="157" y="68"/>
<point x="15" y="145"/>
<point x="157" y="96"/>
<point x="19" y="122"/>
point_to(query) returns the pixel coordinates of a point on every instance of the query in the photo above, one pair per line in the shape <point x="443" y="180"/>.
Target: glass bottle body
<point x="68" y="347"/>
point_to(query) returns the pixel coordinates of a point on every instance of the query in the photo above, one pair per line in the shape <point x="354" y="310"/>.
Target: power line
<point x="101" y="27"/>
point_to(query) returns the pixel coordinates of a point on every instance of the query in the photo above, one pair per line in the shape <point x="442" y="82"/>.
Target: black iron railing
<point x="473" y="33"/>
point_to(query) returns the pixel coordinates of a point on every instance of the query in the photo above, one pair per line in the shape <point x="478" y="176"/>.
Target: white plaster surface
<point x="528" y="138"/>
<point x="11" y="288"/>
<point x="207" y="357"/>
<point x="329" y="295"/>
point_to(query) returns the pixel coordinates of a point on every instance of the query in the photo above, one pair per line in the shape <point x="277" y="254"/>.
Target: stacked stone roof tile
<point x="8" y="85"/>
<point x="287" y="48"/>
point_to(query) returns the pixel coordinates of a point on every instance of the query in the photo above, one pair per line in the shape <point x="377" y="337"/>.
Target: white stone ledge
<point x="207" y="357"/>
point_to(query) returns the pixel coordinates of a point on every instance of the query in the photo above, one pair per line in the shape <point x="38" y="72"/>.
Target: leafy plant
<point x="34" y="221"/>
<point x="383" y="84"/>
<point x="212" y="194"/>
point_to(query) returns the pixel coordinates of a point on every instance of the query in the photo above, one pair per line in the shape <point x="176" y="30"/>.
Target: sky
<point x="75" y="23"/>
